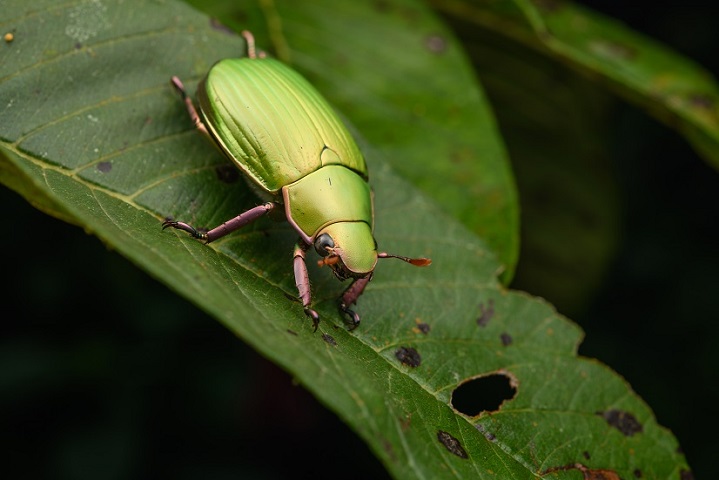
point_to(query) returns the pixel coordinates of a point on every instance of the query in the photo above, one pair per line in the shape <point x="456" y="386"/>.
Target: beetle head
<point x="351" y="251"/>
<point x="348" y="248"/>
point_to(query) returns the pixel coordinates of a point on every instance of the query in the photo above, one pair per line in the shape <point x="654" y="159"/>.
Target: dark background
<point x="104" y="373"/>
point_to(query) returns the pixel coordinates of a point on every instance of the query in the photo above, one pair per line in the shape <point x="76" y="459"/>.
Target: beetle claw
<point x="354" y="319"/>
<point x="314" y="316"/>
<point x="184" y="227"/>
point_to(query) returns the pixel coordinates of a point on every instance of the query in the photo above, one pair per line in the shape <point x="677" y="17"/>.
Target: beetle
<point x="300" y="158"/>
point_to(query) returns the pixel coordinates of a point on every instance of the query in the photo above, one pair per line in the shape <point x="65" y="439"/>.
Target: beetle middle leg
<point x="229" y="226"/>
<point x="302" y="281"/>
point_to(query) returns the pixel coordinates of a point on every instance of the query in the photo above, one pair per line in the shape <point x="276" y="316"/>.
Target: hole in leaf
<point x="484" y="394"/>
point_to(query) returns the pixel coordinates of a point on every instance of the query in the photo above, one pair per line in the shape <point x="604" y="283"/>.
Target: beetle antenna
<point x="417" y="262"/>
<point x="250" y="39"/>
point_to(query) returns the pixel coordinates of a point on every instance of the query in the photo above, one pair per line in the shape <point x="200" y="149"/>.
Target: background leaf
<point x="110" y="145"/>
<point x="671" y="87"/>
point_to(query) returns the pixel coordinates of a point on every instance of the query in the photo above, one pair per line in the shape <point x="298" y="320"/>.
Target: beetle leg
<point x="228" y="227"/>
<point x="302" y="280"/>
<point x="350" y="296"/>
<point x="196" y="120"/>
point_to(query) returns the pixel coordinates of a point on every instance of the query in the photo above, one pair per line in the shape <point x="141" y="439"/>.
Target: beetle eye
<point x="322" y="243"/>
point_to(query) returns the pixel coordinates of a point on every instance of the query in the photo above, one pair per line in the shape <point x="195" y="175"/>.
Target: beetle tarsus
<point x="194" y="233"/>
<point x="354" y="319"/>
<point x="314" y="316"/>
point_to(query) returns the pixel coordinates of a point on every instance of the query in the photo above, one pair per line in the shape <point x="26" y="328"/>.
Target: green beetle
<point x="286" y="139"/>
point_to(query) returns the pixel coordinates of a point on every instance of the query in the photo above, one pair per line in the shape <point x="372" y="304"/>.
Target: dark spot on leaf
<point x="485" y="313"/>
<point x="625" y="422"/>
<point x="686" y="475"/>
<point x="702" y="100"/>
<point x="587" y="473"/>
<point x="389" y="449"/>
<point x="227" y="173"/>
<point x="451" y="444"/>
<point x="590" y="474"/>
<point x="329" y="339"/>
<point x="78" y="46"/>
<point x="421" y="327"/>
<point x="405" y="422"/>
<point x="484" y="394"/>
<point x="291" y="332"/>
<point x="637" y="473"/>
<point x="408" y="356"/>
<point x="436" y="43"/>
<point x="506" y="339"/>
<point x="104" y="167"/>
<point x="586" y="455"/>
<point x="217" y="25"/>
<point x="487" y="434"/>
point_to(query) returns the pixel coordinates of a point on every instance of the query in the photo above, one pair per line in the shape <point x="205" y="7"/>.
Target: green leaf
<point x="669" y="86"/>
<point x="402" y="79"/>
<point x="91" y="124"/>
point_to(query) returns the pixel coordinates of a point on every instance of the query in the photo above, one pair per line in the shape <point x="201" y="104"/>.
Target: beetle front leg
<point x="196" y="120"/>
<point x="228" y="227"/>
<point x="350" y="296"/>
<point x="302" y="281"/>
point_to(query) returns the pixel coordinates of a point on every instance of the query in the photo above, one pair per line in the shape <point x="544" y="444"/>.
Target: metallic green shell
<point x="272" y="123"/>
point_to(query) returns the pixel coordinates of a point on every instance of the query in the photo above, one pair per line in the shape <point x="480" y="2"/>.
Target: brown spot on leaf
<point x="625" y="422"/>
<point x="408" y="356"/>
<point x="291" y="332"/>
<point x="389" y="449"/>
<point x="586" y="455"/>
<point x="421" y="327"/>
<point x="104" y="167"/>
<point x="637" y="473"/>
<point x="329" y="339"/>
<point x="506" y="339"/>
<point x="485" y="393"/>
<point x="485" y="313"/>
<point x="451" y="444"/>
<point x="405" y="422"/>
<point x="600" y="475"/>
<point x="587" y="473"/>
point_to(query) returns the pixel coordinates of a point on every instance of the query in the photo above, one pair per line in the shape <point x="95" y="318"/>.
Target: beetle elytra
<point x="284" y="136"/>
